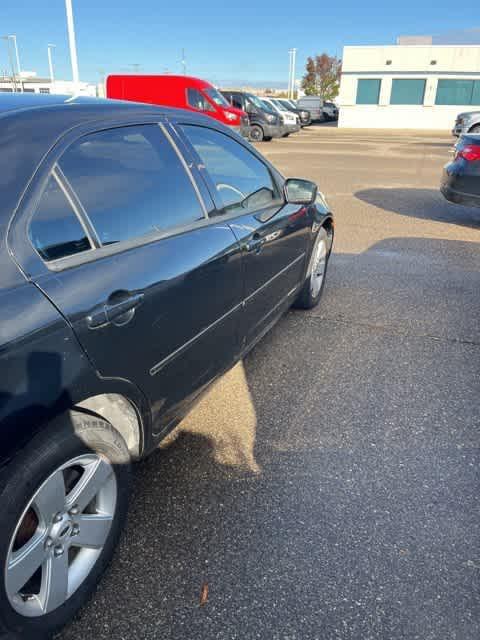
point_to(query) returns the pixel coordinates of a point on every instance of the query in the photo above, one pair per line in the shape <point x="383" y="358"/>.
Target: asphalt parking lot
<point x="328" y="486"/>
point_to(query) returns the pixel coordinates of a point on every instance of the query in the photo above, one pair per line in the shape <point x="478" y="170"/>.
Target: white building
<point x="29" y="82"/>
<point x="408" y="86"/>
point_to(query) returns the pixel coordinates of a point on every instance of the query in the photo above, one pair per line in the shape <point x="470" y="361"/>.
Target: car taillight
<point x="470" y="153"/>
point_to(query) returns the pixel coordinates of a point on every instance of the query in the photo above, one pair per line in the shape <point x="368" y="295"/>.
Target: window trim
<point x="205" y="175"/>
<point x="98" y="250"/>
<point x="77" y="206"/>
<point x="185" y="166"/>
<point x="57" y="177"/>
<point x="17" y="236"/>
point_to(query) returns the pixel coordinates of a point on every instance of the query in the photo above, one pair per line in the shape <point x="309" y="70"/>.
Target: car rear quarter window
<point x="241" y="180"/>
<point x="55" y="230"/>
<point x="131" y="183"/>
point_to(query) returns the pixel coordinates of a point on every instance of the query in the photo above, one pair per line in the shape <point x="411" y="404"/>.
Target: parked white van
<point x="314" y="104"/>
<point x="289" y="119"/>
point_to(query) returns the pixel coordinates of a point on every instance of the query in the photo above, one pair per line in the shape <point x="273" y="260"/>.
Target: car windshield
<point x="270" y="105"/>
<point x="260" y="104"/>
<point x="216" y="96"/>
<point x="282" y="105"/>
<point x="278" y="104"/>
<point x="286" y="104"/>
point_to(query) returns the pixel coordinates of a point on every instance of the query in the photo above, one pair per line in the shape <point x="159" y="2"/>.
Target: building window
<point x="407" y="91"/>
<point x="464" y="92"/>
<point x="28" y="90"/>
<point x="368" y="91"/>
<point x="476" y="93"/>
<point x="42" y="90"/>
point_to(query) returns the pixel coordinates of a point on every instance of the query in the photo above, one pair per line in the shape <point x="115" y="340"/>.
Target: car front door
<point x="125" y="250"/>
<point x="273" y="234"/>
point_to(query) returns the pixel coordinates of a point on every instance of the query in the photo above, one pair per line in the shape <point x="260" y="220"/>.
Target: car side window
<point x="198" y="101"/>
<point x="130" y="182"/>
<point x="243" y="183"/>
<point x="237" y="102"/>
<point x="55" y="230"/>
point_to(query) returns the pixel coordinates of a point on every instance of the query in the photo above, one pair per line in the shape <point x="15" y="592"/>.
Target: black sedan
<point x="461" y="177"/>
<point x="143" y="252"/>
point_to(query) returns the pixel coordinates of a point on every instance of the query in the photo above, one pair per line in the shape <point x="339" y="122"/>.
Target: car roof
<point x="31" y="124"/>
<point x="16" y="101"/>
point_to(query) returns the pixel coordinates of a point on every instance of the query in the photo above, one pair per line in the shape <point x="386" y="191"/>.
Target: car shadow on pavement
<point x="427" y="204"/>
<point x="310" y="490"/>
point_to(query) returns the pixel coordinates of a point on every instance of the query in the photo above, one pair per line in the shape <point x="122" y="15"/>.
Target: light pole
<point x="50" y="63"/>
<point x="72" y="45"/>
<point x="291" y="75"/>
<point x="294" y="60"/>
<point x="10" y="57"/>
<point x="14" y="38"/>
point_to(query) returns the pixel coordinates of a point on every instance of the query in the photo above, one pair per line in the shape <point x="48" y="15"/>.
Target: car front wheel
<point x="312" y="289"/>
<point x="63" y="501"/>
<point x="256" y="133"/>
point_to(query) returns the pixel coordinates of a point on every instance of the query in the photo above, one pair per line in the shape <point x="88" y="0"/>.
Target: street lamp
<point x="72" y="45"/>
<point x="14" y="38"/>
<point x="291" y="73"/>
<point x="50" y="63"/>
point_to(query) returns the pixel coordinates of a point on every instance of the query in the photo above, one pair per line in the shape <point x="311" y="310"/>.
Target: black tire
<point x="267" y="138"/>
<point x="285" y="135"/>
<point x="256" y="133"/>
<point x="73" y="435"/>
<point x="306" y="299"/>
<point x="475" y="129"/>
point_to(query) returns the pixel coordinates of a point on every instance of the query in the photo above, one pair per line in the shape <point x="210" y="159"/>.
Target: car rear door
<point x="125" y="250"/>
<point x="274" y="235"/>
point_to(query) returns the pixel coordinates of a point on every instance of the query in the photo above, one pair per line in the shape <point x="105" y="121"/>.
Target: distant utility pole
<point x="184" y="63"/>
<point x="10" y="57"/>
<point x="72" y="45"/>
<point x="50" y="63"/>
<point x="136" y="67"/>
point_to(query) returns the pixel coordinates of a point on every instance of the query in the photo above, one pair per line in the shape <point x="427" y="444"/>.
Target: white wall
<point x="451" y="62"/>
<point x="372" y="116"/>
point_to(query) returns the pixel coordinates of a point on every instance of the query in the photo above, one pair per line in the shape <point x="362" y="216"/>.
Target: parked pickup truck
<point x="467" y="122"/>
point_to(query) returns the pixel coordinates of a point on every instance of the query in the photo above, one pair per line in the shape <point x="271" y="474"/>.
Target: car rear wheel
<point x="475" y="129"/>
<point x="256" y="133"/>
<point x="63" y="502"/>
<point x="312" y="289"/>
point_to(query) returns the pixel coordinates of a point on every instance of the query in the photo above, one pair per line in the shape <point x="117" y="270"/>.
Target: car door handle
<point x="115" y="310"/>
<point x="255" y="244"/>
<point x="97" y="317"/>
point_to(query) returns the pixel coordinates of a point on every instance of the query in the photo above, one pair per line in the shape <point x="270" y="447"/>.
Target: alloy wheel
<point x="60" y="535"/>
<point x="318" y="266"/>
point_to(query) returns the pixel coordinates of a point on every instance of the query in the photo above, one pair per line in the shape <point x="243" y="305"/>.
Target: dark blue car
<point x="143" y="251"/>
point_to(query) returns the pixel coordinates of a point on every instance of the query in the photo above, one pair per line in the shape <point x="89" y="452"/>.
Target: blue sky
<point x="241" y="42"/>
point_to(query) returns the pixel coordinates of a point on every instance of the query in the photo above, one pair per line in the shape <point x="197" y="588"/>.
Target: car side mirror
<point x="298" y="191"/>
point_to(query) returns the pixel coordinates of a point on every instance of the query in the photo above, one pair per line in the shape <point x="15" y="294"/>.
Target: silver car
<point x="467" y="122"/>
